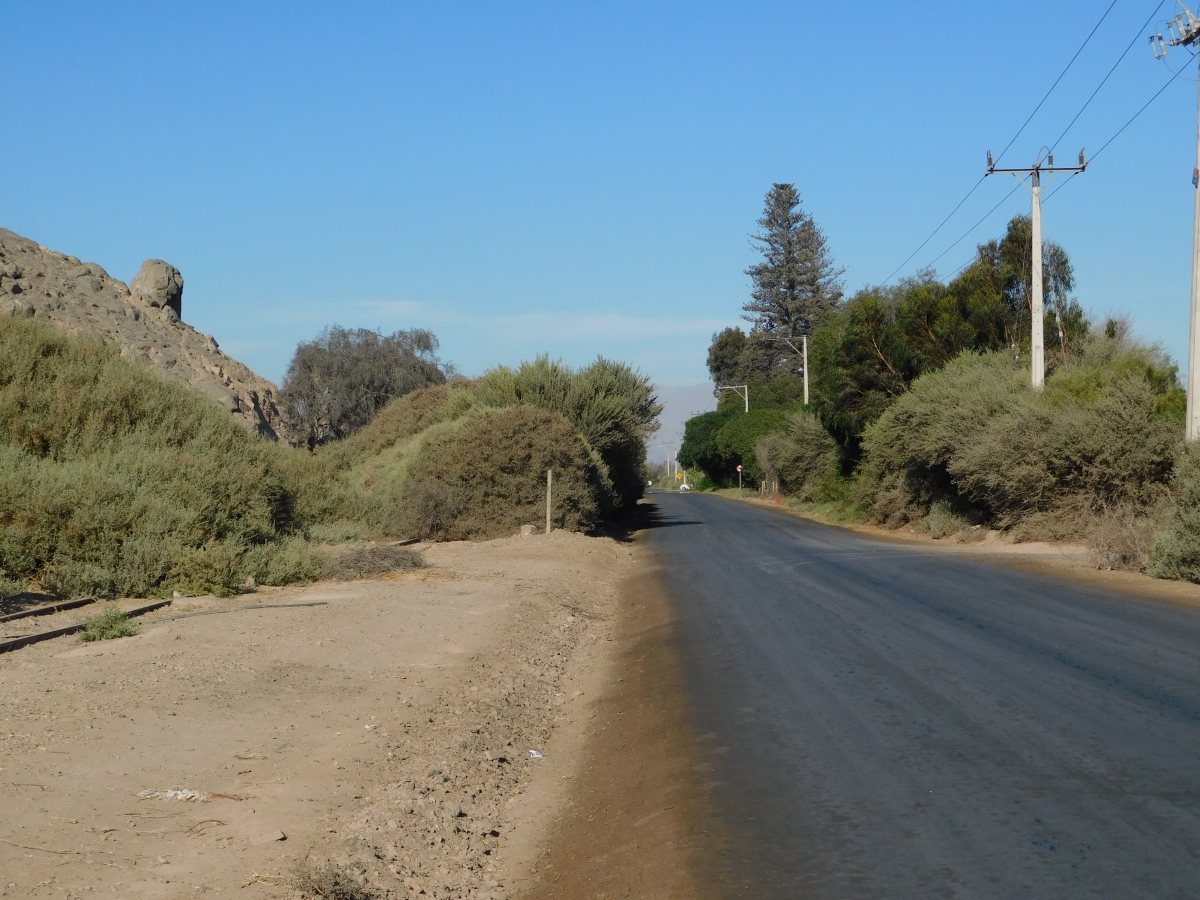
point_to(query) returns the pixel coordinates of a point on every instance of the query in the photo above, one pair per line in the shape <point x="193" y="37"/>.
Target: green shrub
<point x="10" y="587"/>
<point x="942" y="521"/>
<point x="975" y="436"/>
<point x="612" y="406"/>
<point x="803" y="458"/>
<point x="114" y="482"/>
<point x="486" y="476"/>
<point x="110" y="624"/>
<point x="1176" y="548"/>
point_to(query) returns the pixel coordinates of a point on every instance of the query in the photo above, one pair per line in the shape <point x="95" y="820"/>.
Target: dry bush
<point x="486" y="476"/>
<point x="371" y="559"/>
<point x="1176" y="549"/>
<point x="802" y="457"/>
<point x="1122" y="538"/>
<point x="330" y="882"/>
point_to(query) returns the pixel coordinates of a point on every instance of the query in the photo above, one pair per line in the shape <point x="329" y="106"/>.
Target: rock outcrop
<point x="160" y="284"/>
<point x="143" y="319"/>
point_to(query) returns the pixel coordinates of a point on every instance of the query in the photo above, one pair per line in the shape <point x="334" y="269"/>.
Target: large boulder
<point x="159" y="284"/>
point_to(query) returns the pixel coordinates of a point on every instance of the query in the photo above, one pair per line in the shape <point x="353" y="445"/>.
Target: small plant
<point x="372" y="559"/>
<point x="329" y="882"/>
<point x="942" y="521"/>
<point x="112" y="623"/>
<point x="10" y="587"/>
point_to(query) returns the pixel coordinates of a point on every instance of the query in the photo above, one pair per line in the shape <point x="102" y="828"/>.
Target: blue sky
<point x="573" y="179"/>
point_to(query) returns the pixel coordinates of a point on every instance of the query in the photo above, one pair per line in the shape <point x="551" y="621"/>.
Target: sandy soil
<point x="387" y="730"/>
<point x="638" y="822"/>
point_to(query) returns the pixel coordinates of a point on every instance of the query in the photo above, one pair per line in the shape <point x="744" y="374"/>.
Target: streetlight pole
<point x="802" y="353"/>
<point x="742" y="390"/>
<point x="1037" y="311"/>
<point x="1185" y="31"/>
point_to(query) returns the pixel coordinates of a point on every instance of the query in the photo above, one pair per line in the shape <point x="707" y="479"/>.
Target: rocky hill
<point x="143" y="318"/>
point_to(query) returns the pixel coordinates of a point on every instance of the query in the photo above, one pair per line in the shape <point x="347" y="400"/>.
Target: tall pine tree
<point x="796" y="285"/>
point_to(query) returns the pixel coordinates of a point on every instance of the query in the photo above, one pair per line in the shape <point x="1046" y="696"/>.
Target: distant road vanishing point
<point x="885" y="722"/>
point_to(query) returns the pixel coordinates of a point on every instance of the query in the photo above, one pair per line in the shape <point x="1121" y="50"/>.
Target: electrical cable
<point x="976" y="225"/>
<point x="933" y="234"/>
<point x="1129" y="47"/>
<point x="1009" y="144"/>
<point x="1119" y="130"/>
<point x="1060" y="77"/>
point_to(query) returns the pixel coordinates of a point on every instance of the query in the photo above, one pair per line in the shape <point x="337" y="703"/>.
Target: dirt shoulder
<point x="1073" y="562"/>
<point x="638" y="820"/>
<point x="386" y="729"/>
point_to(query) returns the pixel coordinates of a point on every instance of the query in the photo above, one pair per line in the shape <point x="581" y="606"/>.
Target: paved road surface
<point x="889" y="723"/>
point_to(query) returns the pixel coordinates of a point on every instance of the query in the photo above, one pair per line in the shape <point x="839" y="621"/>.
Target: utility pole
<point x="802" y="353"/>
<point x="1185" y="31"/>
<point x="742" y="390"/>
<point x="1037" y="341"/>
<point x="670" y="448"/>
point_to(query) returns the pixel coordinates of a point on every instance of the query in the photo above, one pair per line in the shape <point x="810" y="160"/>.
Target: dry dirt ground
<point x="387" y="729"/>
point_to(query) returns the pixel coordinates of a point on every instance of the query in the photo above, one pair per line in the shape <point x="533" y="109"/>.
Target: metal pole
<point x="1192" y="421"/>
<point x="1037" y="339"/>
<point x="549" y="496"/>
<point x="804" y="338"/>
<point x="746" y="389"/>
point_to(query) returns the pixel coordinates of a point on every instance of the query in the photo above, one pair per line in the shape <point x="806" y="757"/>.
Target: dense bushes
<point x="612" y="405"/>
<point x="719" y="441"/>
<point x="486" y="477"/>
<point x="801" y="459"/>
<point x="974" y="437"/>
<point x="115" y="482"/>
<point x="469" y="459"/>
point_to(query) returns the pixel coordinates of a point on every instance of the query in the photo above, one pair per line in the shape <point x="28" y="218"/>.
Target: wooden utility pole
<point x="1037" y="311"/>
<point x="549" y="496"/>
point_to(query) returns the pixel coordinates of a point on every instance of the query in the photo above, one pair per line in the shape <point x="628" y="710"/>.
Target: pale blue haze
<point x="565" y="178"/>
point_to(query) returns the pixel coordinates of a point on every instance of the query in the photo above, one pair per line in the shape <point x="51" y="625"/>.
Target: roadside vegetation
<point x="114" y="482"/>
<point x="921" y="413"/>
<point x="112" y="623"/>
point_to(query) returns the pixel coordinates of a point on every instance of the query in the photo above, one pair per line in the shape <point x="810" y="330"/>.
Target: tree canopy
<point x="864" y="353"/>
<point x="338" y="382"/>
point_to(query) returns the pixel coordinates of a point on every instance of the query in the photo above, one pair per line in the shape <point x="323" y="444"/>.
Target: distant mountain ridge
<point x="145" y="323"/>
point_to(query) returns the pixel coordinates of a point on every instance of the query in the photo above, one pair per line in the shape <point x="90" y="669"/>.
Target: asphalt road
<point x="885" y="722"/>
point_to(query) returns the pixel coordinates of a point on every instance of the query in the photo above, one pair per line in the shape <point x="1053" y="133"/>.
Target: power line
<point x="1139" y="33"/>
<point x="1060" y="77"/>
<point x="1065" y="183"/>
<point x="1122" y="128"/>
<point x="933" y="233"/>
<point x="976" y="225"/>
